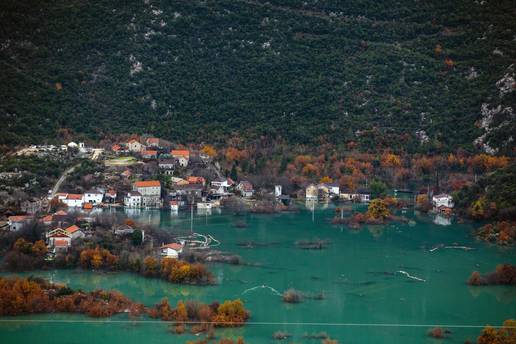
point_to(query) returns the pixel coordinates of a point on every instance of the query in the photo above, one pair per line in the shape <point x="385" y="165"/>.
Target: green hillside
<point x="313" y="71"/>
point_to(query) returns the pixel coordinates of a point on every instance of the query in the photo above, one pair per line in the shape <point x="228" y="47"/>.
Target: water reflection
<point x="442" y="220"/>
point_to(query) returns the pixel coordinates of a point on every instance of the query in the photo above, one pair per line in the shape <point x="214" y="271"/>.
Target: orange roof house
<point x="183" y="153"/>
<point x="47" y="219"/>
<point x="116" y="148"/>
<point x="153" y="141"/>
<point x="196" y="180"/>
<point x="150" y="153"/>
<point x="74" y="196"/>
<point x="87" y="206"/>
<point x="18" y="218"/>
<point x="174" y="246"/>
<point x="61" y="213"/>
<point x="72" y="229"/>
<point x="147" y="183"/>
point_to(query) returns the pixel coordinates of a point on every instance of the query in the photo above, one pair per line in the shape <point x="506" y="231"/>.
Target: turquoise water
<point x="364" y="302"/>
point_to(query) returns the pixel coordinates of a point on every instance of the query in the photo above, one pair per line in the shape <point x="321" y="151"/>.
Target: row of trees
<point x="177" y="271"/>
<point x="33" y="295"/>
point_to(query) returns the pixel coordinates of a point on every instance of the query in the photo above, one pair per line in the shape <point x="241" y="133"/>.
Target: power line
<point x="256" y="323"/>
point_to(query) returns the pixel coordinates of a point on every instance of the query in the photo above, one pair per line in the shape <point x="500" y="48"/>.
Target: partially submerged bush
<point x="292" y="296"/>
<point x="505" y="274"/>
<point x="280" y="335"/>
<point x="439" y="333"/>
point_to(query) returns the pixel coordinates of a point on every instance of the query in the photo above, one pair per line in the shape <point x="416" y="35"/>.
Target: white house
<point x="59" y="240"/>
<point x="360" y="195"/>
<point x="74" y="200"/>
<point x="277" y="190"/>
<point x="133" y="199"/>
<point x="150" y="191"/>
<point x="444" y="200"/>
<point x="94" y="197"/>
<point x="174" y="206"/>
<point x="245" y="188"/>
<point x="17" y="222"/>
<point x="221" y="185"/>
<point x="333" y="188"/>
<point x="171" y="250"/>
<point x="311" y="193"/>
<point x="135" y="146"/>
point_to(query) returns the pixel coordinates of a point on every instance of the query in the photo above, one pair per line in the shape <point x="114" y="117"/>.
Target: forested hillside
<point x="428" y="75"/>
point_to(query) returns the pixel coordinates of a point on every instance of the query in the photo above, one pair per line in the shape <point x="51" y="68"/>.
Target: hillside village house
<point x="182" y="156"/>
<point x="58" y="240"/>
<point x="133" y="199"/>
<point x="245" y="188"/>
<point x="443" y="204"/>
<point x="152" y="142"/>
<point x="150" y="191"/>
<point x="167" y="166"/>
<point x="278" y="190"/>
<point x="171" y="250"/>
<point x="149" y="154"/>
<point x="47" y="220"/>
<point x="135" y="146"/>
<point x="220" y="186"/>
<point x="110" y="196"/>
<point x="75" y="232"/>
<point x="74" y="200"/>
<point x="196" y="180"/>
<point x="332" y="189"/>
<point x="311" y="193"/>
<point x="174" y="205"/>
<point x="361" y="195"/>
<point x="192" y="190"/>
<point x="93" y="197"/>
<point x="442" y="200"/>
<point x="17" y="222"/>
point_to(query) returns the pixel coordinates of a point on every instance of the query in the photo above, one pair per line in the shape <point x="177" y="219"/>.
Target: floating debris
<point x="198" y="241"/>
<point x="280" y="335"/>
<point x="263" y="286"/>
<point x="410" y="276"/>
<point x="456" y="247"/>
<point x="312" y="244"/>
<point x="253" y="244"/>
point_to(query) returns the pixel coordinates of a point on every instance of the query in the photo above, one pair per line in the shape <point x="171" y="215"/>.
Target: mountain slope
<point x="399" y="72"/>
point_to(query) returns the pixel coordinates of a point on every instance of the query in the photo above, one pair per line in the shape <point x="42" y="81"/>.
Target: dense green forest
<point x="376" y="73"/>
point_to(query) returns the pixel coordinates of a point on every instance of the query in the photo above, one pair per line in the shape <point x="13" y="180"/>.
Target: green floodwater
<point x="354" y="272"/>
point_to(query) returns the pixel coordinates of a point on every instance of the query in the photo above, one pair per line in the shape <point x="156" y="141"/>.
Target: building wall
<point x="149" y="190"/>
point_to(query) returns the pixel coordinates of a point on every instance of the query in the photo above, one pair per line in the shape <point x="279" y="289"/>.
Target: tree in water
<point x="378" y="210"/>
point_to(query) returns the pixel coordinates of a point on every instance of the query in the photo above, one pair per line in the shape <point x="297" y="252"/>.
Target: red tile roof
<point x="61" y="213"/>
<point x="195" y="180"/>
<point x="174" y="246"/>
<point x="153" y="140"/>
<point x="87" y="206"/>
<point x="47" y="218"/>
<point x="72" y="229"/>
<point x="18" y="218"/>
<point x="147" y="183"/>
<point x="180" y="152"/>
<point x="74" y="196"/>
<point x="150" y="152"/>
<point x="116" y="147"/>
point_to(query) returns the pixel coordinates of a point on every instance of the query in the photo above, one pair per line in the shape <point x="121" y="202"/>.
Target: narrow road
<point x="60" y="181"/>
